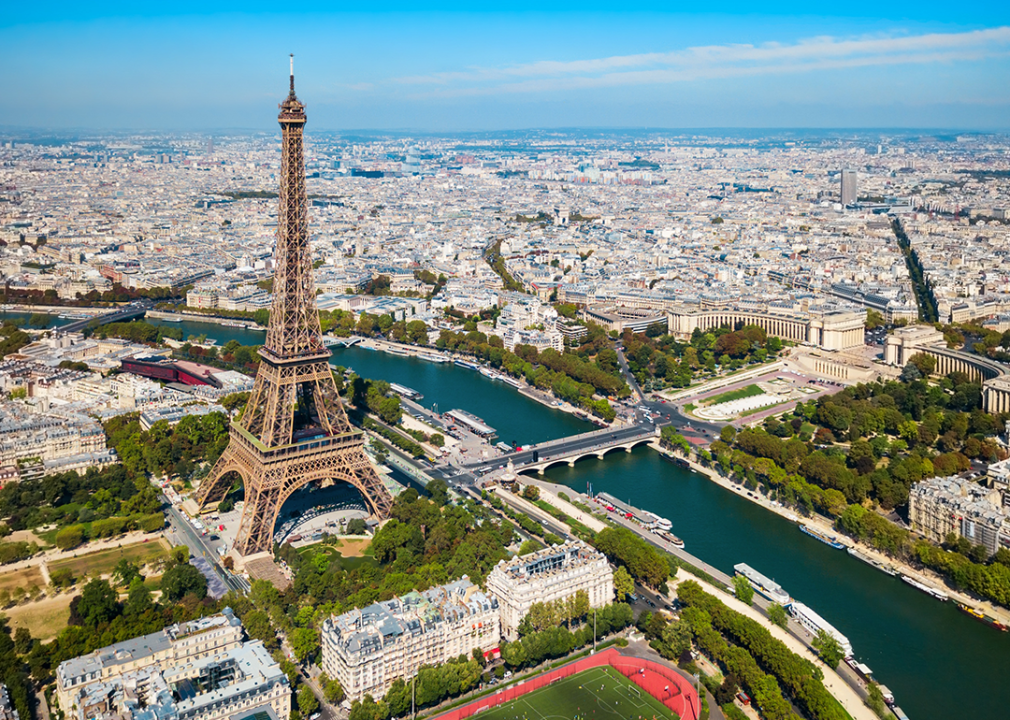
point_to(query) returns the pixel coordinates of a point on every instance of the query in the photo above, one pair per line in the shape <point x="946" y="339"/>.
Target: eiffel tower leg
<point x="370" y="485"/>
<point x="261" y="533"/>
<point x="214" y="487"/>
<point x="256" y="529"/>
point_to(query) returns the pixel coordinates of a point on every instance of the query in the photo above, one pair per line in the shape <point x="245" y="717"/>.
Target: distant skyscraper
<point x="848" y="187"/>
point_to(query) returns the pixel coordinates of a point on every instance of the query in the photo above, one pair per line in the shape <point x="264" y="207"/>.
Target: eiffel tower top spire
<point x="293" y="333"/>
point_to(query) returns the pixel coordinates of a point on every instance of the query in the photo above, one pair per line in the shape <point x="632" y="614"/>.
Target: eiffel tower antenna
<point x="293" y="430"/>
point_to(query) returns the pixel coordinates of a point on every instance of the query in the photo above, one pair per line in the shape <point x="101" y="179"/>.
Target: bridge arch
<point x="598" y="453"/>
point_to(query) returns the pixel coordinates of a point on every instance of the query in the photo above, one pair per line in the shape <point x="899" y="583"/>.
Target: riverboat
<point x="433" y="358"/>
<point x="882" y="566"/>
<point x="923" y="587"/>
<point x="233" y="324"/>
<point x="861" y="669"/>
<point x="678" y="461"/>
<point x="981" y="616"/>
<point x="171" y="319"/>
<point x="670" y="538"/>
<point x="764" y="585"/>
<point x="814" y="623"/>
<point x="824" y="537"/>
<point x="467" y="365"/>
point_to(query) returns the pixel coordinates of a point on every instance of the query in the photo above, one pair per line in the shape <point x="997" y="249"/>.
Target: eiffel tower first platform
<point x="294" y="430"/>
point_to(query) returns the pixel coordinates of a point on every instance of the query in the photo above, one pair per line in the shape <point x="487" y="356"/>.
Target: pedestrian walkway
<point x="834" y="683"/>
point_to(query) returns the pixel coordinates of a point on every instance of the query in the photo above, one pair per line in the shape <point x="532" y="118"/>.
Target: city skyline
<point x="439" y="69"/>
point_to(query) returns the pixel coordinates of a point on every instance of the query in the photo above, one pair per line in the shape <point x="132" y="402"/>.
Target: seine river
<point x="938" y="662"/>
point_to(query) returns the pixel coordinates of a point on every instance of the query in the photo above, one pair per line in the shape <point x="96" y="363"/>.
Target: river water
<point x="938" y="662"/>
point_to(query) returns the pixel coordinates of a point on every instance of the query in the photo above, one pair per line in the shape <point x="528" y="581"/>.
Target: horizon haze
<point x="442" y="68"/>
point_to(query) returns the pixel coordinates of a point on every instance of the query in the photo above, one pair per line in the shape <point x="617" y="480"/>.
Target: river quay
<point x="176" y="318"/>
<point x="925" y="576"/>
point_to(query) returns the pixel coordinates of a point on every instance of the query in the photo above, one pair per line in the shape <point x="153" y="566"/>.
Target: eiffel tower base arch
<point x="271" y="477"/>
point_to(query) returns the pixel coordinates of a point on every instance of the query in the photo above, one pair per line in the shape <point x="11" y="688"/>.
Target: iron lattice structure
<point x="294" y="430"/>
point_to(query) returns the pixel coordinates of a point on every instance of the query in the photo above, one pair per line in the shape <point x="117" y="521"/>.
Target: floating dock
<point x="404" y="391"/>
<point x="472" y="423"/>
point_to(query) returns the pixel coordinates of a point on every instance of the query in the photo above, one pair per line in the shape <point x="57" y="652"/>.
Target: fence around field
<point x="666" y="685"/>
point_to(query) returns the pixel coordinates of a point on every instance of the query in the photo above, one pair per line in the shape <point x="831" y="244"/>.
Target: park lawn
<point x="598" y="694"/>
<point x="24" y="577"/>
<point x="45" y="618"/>
<point x="103" y="561"/>
<point x="738" y="394"/>
<point x="49" y="536"/>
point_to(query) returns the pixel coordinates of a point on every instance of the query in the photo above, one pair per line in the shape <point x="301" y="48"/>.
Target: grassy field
<point x="45" y="618"/>
<point x="597" y="694"/>
<point x="25" y="577"/>
<point x="103" y="561"/>
<point x="738" y="394"/>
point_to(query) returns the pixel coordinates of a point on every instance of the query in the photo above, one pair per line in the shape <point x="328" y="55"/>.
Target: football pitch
<point x="600" y="693"/>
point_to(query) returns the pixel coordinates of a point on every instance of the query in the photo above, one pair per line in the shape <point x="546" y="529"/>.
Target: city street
<point x="181" y="532"/>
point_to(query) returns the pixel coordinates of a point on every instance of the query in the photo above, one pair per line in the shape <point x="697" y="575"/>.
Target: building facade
<point x="367" y="649"/>
<point x="940" y="506"/>
<point x="905" y="342"/>
<point x="547" y="575"/>
<point x="849" y="187"/>
<point x="623" y="317"/>
<point x="200" y="670"/>
<point x="831" y="330"/>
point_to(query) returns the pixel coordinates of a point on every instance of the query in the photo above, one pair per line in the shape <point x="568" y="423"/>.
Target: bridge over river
<point x="130" y="312"/>
<point x="571" y="449"/>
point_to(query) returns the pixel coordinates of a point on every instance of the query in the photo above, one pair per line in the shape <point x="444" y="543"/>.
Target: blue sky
<point x="467" y="66"/>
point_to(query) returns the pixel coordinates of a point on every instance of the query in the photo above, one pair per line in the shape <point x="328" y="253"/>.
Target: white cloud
<point x="718" y="61"/>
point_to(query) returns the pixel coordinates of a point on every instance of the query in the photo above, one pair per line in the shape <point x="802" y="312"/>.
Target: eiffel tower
<point x="294" y="430"/>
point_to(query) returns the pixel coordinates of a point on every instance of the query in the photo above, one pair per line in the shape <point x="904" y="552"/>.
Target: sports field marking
<point x="611" y="696"/>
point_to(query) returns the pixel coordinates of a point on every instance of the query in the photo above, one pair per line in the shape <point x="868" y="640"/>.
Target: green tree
<point x="333" y="692"/>
<point x="624" y="585"/>
<point x="875" y="701"/>
<point x="438" y="491"/>
<point x="675" y="640"/>
<point x="138" y="600"/>
<point x="181" y="580"/>
<point x="96" y="604"/>
<point x="70" y="537"/>
<point x="307" y="702"/>
<point x="356" y="526"/>
<point x="304" y="642"/>
<point x="743" y="590"/>
<point x="777" y="614"/>
<point x="828" y="648"/>
<point x="531" y="546"/>
<point x="124" y="573"/>
<point x="22" y="640"/>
